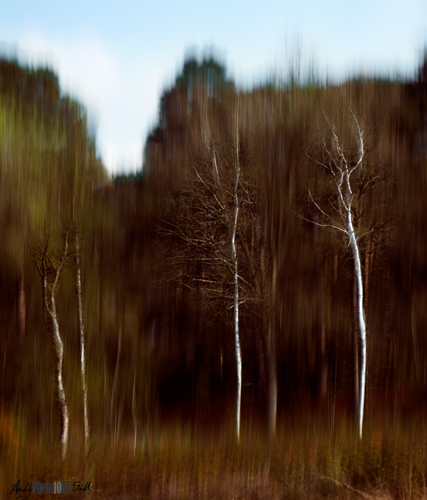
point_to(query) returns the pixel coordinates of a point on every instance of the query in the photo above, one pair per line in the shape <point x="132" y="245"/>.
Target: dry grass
<point x="175" y="463"/>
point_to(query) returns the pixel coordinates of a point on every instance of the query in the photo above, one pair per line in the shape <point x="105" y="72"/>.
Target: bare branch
<point x="323" y="225"/>
<point x="361" y="144"/>
<point x="319" y="163"/>
<point x="321" y="210"/>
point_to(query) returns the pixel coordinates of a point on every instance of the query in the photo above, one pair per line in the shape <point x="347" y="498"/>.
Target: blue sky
<point x="116" y="57"/>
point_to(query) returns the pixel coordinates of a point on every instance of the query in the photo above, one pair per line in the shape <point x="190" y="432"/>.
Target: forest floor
<point x="178" y="463"/>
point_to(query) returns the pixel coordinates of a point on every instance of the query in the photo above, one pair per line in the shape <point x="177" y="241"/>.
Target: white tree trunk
<point x="59" y="351"/>
<point x="340" y="168"/>
<point x="237" y="341"/>
<point x="82" y="342"/>
<point x="50" y="274"/>
<point x="236" y="281"/>
<point x="361" y="315"/>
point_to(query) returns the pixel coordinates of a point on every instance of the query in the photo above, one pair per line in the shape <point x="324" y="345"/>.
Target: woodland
<point x="243" y="317"/>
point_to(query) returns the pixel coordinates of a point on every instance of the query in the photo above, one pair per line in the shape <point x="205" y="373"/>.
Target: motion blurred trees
<point x="156" y="254"/>
<point x="45" y="146"/>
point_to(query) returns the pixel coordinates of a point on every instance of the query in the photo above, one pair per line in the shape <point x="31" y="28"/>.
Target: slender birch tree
<point x="204" y="217"/>
<point x="342" y="167"/>
<point x="50" y="267"/>
<point x="81" y="336"/>
<point x="233" y="231"/>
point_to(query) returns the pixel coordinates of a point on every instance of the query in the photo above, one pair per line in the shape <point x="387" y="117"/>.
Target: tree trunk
<point x="22" y="303"/>
<point x="361" y="316"/>
<point x="114" y="412"/>
<point x="270" y="354"/>
<point x="82" y="342"/>
<point x="236" y="280"/>
<point x="271" y="384"/>
<point x="355" y="345"/>
<point x="414" y="340"/>
<point x="341" y="171"/>
<point x="237" y="342"/>
<point x="134" y="415"/>
<point x="50" y="274"/>
<point x="321" y="322"/>
<point x="59" y="373"/>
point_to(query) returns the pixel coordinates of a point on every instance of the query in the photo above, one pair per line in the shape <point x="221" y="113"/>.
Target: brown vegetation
<point x="157" y="293"/>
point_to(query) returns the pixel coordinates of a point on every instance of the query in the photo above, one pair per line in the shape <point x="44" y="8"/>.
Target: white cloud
<point x="86" y="66"/>
<point x="92" y="72"/>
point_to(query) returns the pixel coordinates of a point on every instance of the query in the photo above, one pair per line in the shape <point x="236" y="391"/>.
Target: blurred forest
<point x="159" y="263"/>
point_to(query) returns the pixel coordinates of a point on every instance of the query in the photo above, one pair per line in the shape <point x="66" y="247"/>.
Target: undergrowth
<point x="177" y="463"/>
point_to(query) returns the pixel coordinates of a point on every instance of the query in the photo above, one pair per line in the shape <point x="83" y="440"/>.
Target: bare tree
<point x="232" y="228"/>
<point x="50" y="266"/>
<point x="259" y="276"/>
<point x="345" y="172"/>
<point x="205" y="220"/>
